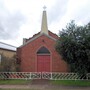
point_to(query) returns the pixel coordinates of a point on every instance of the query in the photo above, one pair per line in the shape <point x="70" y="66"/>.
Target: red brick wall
<point x="28" y="55"/>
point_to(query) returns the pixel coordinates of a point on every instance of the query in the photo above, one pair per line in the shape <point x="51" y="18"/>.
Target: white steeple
<point x="44" y="27"/>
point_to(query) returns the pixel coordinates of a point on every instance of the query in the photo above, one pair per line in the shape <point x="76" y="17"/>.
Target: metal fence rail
<point x="20" y="75"/>
<point x="43" y="75"/>
<point x="68" y="76"/>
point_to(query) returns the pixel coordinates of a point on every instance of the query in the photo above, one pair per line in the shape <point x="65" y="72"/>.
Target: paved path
<point x="40" y="82"/>
<point x="43" y="87"/>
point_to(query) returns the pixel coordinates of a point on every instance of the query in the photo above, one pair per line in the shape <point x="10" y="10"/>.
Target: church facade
<point x="38" y="54"/>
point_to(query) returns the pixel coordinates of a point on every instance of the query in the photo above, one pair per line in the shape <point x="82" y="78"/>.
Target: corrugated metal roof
<point x="7" y="46"/>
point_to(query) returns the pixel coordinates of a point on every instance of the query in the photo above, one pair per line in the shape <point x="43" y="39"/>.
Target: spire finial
<point x="44" y="7"/>
<point x="44" y="26"/>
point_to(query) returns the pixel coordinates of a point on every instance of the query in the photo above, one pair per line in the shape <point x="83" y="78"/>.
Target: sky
<point x="22" y="18"/>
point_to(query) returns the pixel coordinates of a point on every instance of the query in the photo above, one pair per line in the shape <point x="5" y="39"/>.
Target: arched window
<point x="43" y="50"/>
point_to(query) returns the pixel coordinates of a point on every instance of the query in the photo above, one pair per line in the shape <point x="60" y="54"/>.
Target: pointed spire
<point x="44" y="27"/>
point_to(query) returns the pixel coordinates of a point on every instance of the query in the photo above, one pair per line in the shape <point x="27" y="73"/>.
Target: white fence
<point x="43" y="75"/>
<point x="20" y="75"/>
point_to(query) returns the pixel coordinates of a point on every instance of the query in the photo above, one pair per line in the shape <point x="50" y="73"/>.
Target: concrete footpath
<point x="43" y="87"/>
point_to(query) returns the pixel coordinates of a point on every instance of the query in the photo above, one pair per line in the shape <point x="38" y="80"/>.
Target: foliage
<point x="74" y="46"/>
<point x="8" y="64"/>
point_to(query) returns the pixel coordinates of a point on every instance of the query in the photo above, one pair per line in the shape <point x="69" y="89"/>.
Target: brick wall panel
<point x="28" y="55"/>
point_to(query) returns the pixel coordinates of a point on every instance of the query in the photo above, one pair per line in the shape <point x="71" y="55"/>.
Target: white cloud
<point x="59" y="13"/>
<point x="78" y="11"/>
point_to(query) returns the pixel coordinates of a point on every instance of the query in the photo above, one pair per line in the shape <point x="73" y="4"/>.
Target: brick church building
<point x="38" y="54"/>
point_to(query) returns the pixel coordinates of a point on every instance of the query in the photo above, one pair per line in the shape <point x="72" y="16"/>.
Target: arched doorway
<point x="43" y="60"/>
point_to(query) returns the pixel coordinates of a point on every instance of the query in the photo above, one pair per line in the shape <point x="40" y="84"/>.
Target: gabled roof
<point x="7" y="46"/>
<point x="37" y="36"/>
<point x="50" y="34"/>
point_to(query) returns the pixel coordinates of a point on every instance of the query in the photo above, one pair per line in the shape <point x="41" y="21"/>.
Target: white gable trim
<point x="36" y="38"/>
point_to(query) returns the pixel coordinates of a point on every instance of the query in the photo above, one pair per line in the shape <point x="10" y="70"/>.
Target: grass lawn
<point x="14" y="82"/>
<point x="55" y="82"/>
<point x="71" y="82"/>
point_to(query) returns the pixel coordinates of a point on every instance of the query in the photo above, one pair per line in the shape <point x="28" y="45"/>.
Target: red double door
<point x="43" y="63"/>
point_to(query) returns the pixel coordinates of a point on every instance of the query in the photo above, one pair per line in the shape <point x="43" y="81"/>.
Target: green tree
<point x="74" y="46"/>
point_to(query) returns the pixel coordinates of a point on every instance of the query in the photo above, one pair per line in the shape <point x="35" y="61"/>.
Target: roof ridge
<point x="53" y="33"/>
<point x="8" y="44"/>
<point x="36" y="38"/>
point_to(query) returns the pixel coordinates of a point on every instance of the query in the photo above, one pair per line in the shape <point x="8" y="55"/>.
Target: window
<point x="43" y="50"/>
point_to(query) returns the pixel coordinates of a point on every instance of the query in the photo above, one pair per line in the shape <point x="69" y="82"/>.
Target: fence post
<point x="87" y="76"/>
<point x="51" y="76"/>
<point x="30" y="75"/>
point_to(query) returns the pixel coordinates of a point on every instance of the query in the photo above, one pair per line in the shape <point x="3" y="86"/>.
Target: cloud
<point x="10" y="23"/>
<point x="22" y="18"/>
<point x="57" y="10"/>
<point x="78" y="11"/>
